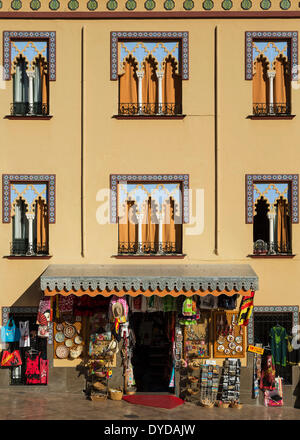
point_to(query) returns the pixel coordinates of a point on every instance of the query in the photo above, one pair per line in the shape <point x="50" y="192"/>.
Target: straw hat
<point x="117" y="310"/>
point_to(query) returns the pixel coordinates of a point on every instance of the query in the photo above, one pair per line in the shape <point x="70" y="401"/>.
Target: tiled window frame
<point x="265" y="35"/>
<point x="271" y="309"/>
<point x="150" y="178"/>
<point x="50" y="36"/>
<point x="7" y="179"/>
<point x="117" y="36"/>
<point x="292" y="179"/>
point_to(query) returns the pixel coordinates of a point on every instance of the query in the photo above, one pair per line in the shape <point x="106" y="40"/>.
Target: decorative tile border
<point x="271" y="309"/>
<point x="131" y="178"/>
<point x="50" y="37"/>
<point x="7" y="179"/>
<point x="292" y="179"/>
<point x="182" y="37"/>
<point x="260" y="35"/>
<point x="20" y="310"/>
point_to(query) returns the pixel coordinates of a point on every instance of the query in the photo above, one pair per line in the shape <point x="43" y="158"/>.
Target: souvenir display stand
<point x="229" y="340"/>
<point x="209" y="385"/>
<point x="229" y="390"/>
<point x="68" y="342"/>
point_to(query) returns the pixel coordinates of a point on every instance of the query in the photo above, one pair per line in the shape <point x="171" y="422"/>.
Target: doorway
<point x="152" y="354"/>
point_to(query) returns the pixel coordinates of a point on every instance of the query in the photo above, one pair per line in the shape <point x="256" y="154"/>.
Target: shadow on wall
<point x="31" y="297"/>
<point x="297" y="394"/>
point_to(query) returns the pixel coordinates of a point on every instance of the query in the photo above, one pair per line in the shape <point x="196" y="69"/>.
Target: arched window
<point x="150" y="78"/>
<point x="271" y="78"/>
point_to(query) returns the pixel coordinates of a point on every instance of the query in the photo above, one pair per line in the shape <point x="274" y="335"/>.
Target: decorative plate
<point x="232" y="345"/>
<point x="239" y="339"/>
<point x="221" y="341"/>
<point x="230" y="338"/>
<point x="226" y="351"/>
<point x="220" y="348"/>
<point x="239" y="348"/>
<point x="78" y="340"/>
<point x="69" y="342"/>
<point x="233" y="353"/>
<point x="69" y="331"/>
<point x="59" y="327"/>
<point x="59" y="337"/>
<point x="62" y="352"/>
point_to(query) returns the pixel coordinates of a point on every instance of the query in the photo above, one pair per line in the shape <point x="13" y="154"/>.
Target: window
<point x="29" y="202"/>
<point x="272" y="65"/>
<point x="29" y="60"/>
<point x="150" y="68"/>
<point x="272" y="208"/>
<point x="150" y="215"/>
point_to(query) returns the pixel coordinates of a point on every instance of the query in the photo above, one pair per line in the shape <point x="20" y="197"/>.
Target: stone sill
<point x="272" y="256"/>
<point x="177" y="117"/>
<point x="147" y="257"/>
<point x="260" y="118"/>
<point x="27" y="257"/>
<point x="27" y="118"/>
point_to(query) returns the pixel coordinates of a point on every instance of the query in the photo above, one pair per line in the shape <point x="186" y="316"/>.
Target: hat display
<point x="117" y="310"/>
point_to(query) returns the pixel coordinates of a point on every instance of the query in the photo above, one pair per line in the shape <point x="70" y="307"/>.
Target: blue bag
<point x="10" y="333"/>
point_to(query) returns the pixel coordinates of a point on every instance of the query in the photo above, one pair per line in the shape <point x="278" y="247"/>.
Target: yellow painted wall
<point x="149" y="146"/>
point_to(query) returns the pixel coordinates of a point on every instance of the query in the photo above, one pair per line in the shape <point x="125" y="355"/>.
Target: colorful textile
<point x="169" y="303"/>
<point x="66" y="304"/>
<point x="278" y="337"/>
<point x="44" y="369"/>
<point x="267" y="379"/>
<point x="32" y="373"/>
<point x="24" y="332"/>
<point x="246" y="308"/>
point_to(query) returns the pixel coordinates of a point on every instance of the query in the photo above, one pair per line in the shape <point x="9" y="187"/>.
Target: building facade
<point x="155" y="109"/>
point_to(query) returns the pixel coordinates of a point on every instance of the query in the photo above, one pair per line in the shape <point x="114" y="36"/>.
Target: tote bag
<point x="9" y="332"/>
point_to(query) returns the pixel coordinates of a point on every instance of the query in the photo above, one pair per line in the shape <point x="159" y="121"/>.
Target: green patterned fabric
<point x="169" y="303"/>
<point x="278" y="338"/>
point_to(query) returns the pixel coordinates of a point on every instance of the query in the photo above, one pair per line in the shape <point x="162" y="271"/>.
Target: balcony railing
<point x="21" y="246"/>
<point x="261" y="247"/>
<point x="263" y="109"/>
<point x="26" y="109"/>
<point x="148" y="248"/>
<point x="146" y="109"/>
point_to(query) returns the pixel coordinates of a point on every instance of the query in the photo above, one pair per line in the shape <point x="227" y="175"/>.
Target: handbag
<point x="10" y="333"/>
<point x="11" y="359"/>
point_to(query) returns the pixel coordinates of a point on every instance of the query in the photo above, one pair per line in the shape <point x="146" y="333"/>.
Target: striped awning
<point x="149" y="279"/>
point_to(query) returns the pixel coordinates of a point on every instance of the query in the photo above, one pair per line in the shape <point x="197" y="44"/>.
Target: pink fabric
<point x="66" y="303"/>
<point x="44" y="368"/>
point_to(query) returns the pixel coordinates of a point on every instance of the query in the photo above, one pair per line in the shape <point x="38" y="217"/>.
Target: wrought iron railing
<point x="261" y="247"/>
<point x="26" y="109"/>
<point x="20" y="246"/>
<point x="263" y="109"/>
<point x="153" y="248"/>
<point x="148" y="109"/>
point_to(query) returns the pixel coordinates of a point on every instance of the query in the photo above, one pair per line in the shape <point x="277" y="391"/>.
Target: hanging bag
<point x="9" y="332"/>
<point x="7" y="359"/>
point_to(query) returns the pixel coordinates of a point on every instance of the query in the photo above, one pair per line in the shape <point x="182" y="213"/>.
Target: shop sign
<point x="254" y="349"/>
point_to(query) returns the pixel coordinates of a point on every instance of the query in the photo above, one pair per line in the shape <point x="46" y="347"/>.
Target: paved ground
<point x="26" y="405"/>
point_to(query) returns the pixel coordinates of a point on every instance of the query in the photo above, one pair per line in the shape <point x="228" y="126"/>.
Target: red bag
<point x="11" y="359"/>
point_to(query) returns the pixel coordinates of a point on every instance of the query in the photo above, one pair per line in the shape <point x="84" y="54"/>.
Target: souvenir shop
<point x="134" y="340"/>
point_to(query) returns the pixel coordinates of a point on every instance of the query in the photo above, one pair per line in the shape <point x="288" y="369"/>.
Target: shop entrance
<point x="152" y="354"/>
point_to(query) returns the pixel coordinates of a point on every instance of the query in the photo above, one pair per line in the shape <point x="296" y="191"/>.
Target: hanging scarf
<point x="246" y="308"/>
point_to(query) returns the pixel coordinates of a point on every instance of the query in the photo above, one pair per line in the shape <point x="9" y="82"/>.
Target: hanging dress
<point x="32" y="373"/>
<point x="24" y="340"/>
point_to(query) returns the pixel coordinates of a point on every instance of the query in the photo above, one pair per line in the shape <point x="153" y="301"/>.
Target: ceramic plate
<point x="239" y="348"/>
<point x="220" y="348"/>
<point x="69" y="331"/>
<point x="69" y="342"/>
<point x="59" y="337"/>
<point x="227" y="351"/>
<point x="230" y="338"/>
<point x="62" y="352"/>
<point x="239" y="339"/>
<point x="233" y="353"/>
<point x="220" y="341"/>
<point x="232" y="345"/>
<point x="59" y="327"/>
<point x="78" y="340"/>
